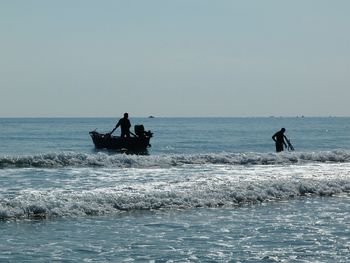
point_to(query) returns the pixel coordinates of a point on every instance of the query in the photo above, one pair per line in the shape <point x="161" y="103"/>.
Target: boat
<point x="138" y="143"/>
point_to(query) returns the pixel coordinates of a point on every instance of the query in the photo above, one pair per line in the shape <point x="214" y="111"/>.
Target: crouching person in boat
<point x="125" y="125"/>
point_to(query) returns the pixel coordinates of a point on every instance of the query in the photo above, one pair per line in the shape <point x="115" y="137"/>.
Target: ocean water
<point x="209" y="190"/>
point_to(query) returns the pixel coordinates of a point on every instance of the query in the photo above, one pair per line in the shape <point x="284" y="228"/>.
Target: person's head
<point x="126" y="115"/>
<point x="283" y="130"/>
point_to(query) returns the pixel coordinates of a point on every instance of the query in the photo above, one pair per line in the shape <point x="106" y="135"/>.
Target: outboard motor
<point x="139" y="130"/>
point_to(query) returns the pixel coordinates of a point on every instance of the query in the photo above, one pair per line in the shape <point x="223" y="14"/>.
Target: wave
<point x="73" y="159"/>
<point x="208" y="192"/>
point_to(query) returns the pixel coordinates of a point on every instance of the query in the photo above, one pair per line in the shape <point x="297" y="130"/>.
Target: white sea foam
<point x="211" y="186"/>
<point x="72" y="159"/>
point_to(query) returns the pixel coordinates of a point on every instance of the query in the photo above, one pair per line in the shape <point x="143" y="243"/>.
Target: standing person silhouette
<point x="279" y="137"/>
<point x="125" y="125"/>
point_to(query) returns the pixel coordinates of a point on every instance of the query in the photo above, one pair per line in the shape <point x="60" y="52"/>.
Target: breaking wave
<point x="72" y="159"/>
<point x="209" y="192"/>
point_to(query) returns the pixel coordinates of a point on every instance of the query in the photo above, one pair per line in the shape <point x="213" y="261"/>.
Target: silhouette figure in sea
<point x="125" y="125"/>
<point x="279" y="139"/>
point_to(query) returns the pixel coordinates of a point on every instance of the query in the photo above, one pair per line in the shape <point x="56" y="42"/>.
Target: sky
<point x="174" y="58"/>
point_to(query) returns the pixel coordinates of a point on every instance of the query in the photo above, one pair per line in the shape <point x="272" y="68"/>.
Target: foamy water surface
<point x="194" y="198"/>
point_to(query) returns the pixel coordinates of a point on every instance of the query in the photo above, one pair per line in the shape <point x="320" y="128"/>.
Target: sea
<point x="207" y="190"/>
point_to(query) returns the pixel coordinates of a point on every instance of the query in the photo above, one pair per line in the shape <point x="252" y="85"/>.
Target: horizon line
<point x="153" y="116"/>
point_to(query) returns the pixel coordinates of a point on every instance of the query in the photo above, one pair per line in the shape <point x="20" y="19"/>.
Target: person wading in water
<point x="279" y="137"/>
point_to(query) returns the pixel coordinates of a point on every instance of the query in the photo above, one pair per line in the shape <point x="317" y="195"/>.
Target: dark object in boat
<point x="138" y="143"/>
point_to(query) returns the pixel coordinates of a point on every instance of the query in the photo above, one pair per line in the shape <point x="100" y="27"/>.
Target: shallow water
<point x="298" y="230"/>
<point x="216" y="192"/>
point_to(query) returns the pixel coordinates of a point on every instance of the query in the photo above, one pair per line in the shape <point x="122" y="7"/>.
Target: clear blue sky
<point x="77" y="58"/>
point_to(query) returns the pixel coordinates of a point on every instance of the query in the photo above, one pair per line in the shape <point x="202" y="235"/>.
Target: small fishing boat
<point x="138" y="143"/>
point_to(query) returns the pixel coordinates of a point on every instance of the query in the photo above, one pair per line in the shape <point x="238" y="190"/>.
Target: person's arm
<point x="116" y="126"/>
<point x="112" y="131"/>
<point x="274" y="137"/>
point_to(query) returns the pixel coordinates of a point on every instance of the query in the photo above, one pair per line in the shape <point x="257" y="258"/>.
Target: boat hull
<point x="133" y="144"/>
